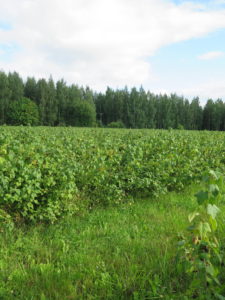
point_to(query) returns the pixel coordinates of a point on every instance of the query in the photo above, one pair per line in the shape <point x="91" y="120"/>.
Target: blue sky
<point x="181" y="62"/>
<point x="209" y="3"/>
<point x="163" y="45"/>
<point x="4" y="25"/>
<point x="7" y="51"/>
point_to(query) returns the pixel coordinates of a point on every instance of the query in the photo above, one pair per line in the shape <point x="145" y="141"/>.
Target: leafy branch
<point x="199" y="249"/>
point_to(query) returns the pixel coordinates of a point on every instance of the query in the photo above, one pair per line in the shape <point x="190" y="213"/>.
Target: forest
<point x="48" y="103"/>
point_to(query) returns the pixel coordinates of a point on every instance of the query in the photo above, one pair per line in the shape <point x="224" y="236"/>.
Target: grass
<point x="127" y="252"/>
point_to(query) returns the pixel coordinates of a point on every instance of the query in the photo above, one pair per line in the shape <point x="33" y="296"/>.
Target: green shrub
<point x="23" y="112"/>
<point x="200" y="251"/>
<point x="44" y="171"/>
<point x="81" y="114"/>
<point x="117" y="124"/>
<point x="180" y="127"/>
<point x="36" y="177"/>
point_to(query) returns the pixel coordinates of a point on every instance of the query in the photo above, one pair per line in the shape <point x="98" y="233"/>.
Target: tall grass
<point x="127" y="252"/>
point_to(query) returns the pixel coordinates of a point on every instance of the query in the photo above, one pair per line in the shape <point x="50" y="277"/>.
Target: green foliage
<point x="23" y="112"/>
<point x="180" y="127"/>
<point x="71" y="105"/>
<point x="36" y="176"/>
<point x="5" y="94"/>
<point x="200" y="249"/>
<point x="30" y="89"/>
<point x="6" y="222"/>
<point x="123" y="252"/>
<point x="45" y="171"/>
<point x="81" y="114"/>
<point x="117" y="124"/>
<point x="16" y="87"/>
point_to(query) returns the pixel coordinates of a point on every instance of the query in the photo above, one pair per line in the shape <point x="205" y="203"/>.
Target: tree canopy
<point x="50" y="103"/>
<point x="23" y="112"/>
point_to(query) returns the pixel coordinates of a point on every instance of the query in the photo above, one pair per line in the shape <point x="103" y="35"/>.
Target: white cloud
<point x="98" y="42"/>
<point x="219" y="2"/>
<point x="209" y="89"/>
<point x="211" y="55"/>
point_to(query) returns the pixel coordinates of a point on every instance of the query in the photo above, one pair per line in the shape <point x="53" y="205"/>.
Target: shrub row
<point x="45" y="172"/>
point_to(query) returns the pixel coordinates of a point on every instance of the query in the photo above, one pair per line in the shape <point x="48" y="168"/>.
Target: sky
<point x="166" y="46"/>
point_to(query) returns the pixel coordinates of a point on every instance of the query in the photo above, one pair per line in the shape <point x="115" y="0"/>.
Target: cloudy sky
<point x="163" y="45"/>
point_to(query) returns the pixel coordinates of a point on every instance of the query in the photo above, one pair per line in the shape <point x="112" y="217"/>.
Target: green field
<point x="96" y="213"/>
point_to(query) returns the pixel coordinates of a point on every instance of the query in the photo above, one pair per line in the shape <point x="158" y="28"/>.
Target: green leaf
<point x="216" y="280"/>
<point x="212" y="210"/>
<point x="200" y="229"/>
<point x="2" y="160"/>
<point x="201" y="197"/>
<point x="203" y="229"/>
<point x="206" y="227"/>
<point x="214" y="189"/>
<point x="213" y="174"/>
<point x="213" y="223"/>
<point x="181" y="243"/>
<point x="220" y="297"/>
<point x="210" y="270"/>
<point x="192" y="216"/>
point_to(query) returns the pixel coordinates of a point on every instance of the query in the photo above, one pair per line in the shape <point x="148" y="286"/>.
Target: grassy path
<point x="117" y="253"/>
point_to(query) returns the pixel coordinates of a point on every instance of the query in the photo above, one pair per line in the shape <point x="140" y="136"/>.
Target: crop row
<point x="45" y="172"/>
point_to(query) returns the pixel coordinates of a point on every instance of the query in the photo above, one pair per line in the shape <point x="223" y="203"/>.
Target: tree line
<point x="49" y="103"/>
<point x="44" y="102"/>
